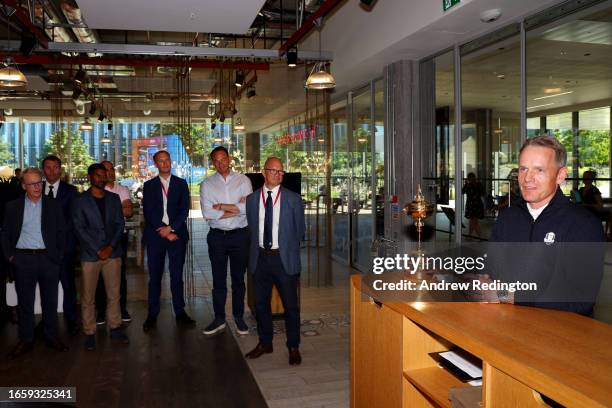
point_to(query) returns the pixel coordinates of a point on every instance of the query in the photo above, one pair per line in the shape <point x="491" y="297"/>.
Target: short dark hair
<point x="157" y="153"/>
<point x="218" y="149"/>
<point x="52" y="157"/>
<point x="96" y="166"/>
<point x="552" y="143"/>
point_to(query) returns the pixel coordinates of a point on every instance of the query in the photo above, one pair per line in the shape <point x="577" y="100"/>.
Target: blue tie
<point x="268" y="222"/>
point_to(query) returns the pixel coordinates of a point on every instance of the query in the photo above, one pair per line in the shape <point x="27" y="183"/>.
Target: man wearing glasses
<point x="276" y="222"/>
<point x="222" y="200"/>
<point x="33" y="241"/>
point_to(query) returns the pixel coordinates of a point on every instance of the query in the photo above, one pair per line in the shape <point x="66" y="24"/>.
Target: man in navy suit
<point x="276" y="225"/>
<point x="64" y="193"/>
<point x="33" y="242"/>
<point x="165" y="205"/>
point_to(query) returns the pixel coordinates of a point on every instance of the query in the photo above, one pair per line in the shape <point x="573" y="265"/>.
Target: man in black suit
<point x="33" y="239"/>
<point x="165" y="205"/>
<point x="64" y="193"/>
<point x="98" y="223"/>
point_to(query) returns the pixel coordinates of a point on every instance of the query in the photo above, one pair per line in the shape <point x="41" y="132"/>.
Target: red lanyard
<point x="164" y="191"/>
<point x="275" y="200"/>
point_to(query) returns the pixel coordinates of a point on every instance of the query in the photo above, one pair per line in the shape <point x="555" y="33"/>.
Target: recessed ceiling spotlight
<point x="501" y="75"/>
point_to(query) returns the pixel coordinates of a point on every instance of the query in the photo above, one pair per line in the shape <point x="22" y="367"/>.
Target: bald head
<point x="273" y="172"/>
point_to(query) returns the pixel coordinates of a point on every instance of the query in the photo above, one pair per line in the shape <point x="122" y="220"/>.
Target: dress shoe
<point x="73" y="327"/>
<point x="184" y="320"/>
<point x="90" y="342"/>
<point x="20" y="349"/>
<point x="259" y="350"/>
<point x="56" y="344"/>
<point x="149" y="323"/>
<point x="294" y="356"/>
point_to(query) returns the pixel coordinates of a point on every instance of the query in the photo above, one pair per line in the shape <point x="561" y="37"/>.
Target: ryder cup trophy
<point x="418" y="210"/>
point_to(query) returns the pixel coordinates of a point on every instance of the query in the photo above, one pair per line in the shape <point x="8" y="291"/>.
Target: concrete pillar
<point x="252" y="151"/>
<point x="402" y="145"/>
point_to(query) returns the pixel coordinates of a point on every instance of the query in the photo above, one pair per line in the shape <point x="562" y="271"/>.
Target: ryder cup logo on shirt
<point x="549" y="239"/>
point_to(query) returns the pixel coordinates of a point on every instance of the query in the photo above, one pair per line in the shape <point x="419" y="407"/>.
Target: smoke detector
<point x="489" y="16"/>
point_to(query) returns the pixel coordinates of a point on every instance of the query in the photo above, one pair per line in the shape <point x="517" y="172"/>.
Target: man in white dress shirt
<point x="222" y="199"/>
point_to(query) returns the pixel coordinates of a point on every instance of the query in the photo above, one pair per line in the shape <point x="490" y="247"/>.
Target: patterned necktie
<point x="50" y="193"/>
<point x="268" y="222"/>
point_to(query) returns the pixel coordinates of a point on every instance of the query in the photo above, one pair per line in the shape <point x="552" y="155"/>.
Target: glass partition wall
<point x="548" y="74"/>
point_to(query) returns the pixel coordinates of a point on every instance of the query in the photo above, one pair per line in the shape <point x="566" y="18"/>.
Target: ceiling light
<point x="552" y="90"/>
<point x="239" y="79"/>
<point x="101" y="116"/>
<point x="146" y="111"/>
<point x="553" y="96"/>
<point x="80" y="108"/>
<point x="76" y="93"/>
<point x="211" y="110"/>
<point x="79" y="77"/>
<point x="251" y="93"/>
<point x="319" y="78"/>
<point x="540" y="106"/>
<point x="501" y="76"/>
<point x="11" y="76"/>
<point x="105" y="140"/>
<point x="218" y="139"/>
<point x="110" y="126"/>
<point x="8" y="111"/>
<point x="213" y="125"/>
<point x="86" y="125"/>
<point x="292" y="57"/>
<point x="214" y="101"/>
<point x="238" y="125"/>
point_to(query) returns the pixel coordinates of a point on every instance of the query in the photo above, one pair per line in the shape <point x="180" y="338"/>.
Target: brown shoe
<point x="294" y="356"/>
<point x="56" y="344"/>
<point x="259" y="350"/>
<point x="20" y="349"/>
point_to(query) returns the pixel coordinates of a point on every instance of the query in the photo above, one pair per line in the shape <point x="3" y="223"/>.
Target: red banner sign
<point x="303" y="134"/>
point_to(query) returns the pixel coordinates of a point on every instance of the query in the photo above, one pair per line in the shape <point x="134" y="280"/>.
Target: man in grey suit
<point x="98" y="222"/>
<point x="276" y="227"/>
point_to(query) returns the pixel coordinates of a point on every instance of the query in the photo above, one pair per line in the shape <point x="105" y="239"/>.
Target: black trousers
<point x="101" y="291"/>
<point x="232" y="246"/>
<point x="270" y="271"/>
<point x="29" y="270"/>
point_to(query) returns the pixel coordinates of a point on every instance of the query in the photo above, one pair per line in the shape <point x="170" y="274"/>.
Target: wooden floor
<point x="169" y="367"/>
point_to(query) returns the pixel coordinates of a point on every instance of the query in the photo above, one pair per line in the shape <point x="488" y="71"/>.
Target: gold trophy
<point x="418" y="210"/>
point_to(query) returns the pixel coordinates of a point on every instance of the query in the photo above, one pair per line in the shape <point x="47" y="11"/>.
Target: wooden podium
<point x="526" y="353"/>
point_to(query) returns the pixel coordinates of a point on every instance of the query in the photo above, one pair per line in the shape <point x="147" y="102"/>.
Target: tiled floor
<point x="322" y="380"/>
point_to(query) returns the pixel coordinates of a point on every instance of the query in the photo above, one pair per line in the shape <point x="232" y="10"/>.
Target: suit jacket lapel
<point x="94" y="207"/>
<point x="284" y="209"/>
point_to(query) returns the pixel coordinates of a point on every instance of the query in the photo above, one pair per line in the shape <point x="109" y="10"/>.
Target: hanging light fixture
<point x="146" y="111"/>
<point x="292" y="57"/>
<point x="211" y="109"/>
<point x="11" y="76"/>
<point x="239" y="79"/>
<point x="86" y="125"/>
<point x="319" y="78"/>
<point x="105" y="140"/>
<point x="238" y="125"/>
<point x="8" y="111"/>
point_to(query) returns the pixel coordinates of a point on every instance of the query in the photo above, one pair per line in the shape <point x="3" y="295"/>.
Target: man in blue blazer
<point x="276" y="226"/>
<point x="64" y="193"/>
<point x="165" y="205"/>
<point x="98" y="223"/>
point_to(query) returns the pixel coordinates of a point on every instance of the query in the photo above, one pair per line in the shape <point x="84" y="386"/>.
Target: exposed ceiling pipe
<point x="27" y="23"/>
<point x="73" y="15"/>
<point x="45" y="59"/>
<point x="321" y="12"/>
<point x="46" y="13"/>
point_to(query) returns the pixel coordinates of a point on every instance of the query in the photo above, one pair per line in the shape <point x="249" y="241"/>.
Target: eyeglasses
<point x="275" y="171"/>
<point x="36" y="184"/>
